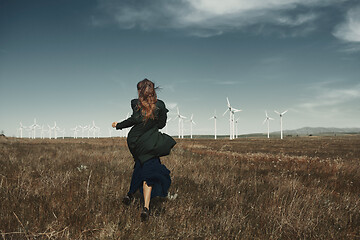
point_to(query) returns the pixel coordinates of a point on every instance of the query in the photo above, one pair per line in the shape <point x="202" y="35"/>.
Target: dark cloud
<point x="206" y="18"/>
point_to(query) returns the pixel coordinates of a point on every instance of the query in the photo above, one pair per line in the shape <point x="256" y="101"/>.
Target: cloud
<point x="349" y="30"/>
<point x="226" y="82"/>
<point x="329" y="97"/>
<point x="204" y="18"/>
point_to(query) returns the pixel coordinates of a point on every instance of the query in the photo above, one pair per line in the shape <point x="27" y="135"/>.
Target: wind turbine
<point x="110" y="132"/>
<point x="50" y="130"/>
<point x="281" y="115"/>
<point x="63" y="133"/>
<point x="181" y="123"/>
<point x="95" y="129"/>
<point x="20" y="129"/>
<point x="33" y="128"/>
<point x="214" y="117"/>
<point x="232" y="112"/>
<point x="191" y="124"/>
<point x="75" y="130"/>
<point x="236" y="126"/>
<point x="234" y="122"/>
<point x="42" y="132"/>
<point x="55" y="128"/>
<point x="267" y="119"/>
<point x="83" y="128"/>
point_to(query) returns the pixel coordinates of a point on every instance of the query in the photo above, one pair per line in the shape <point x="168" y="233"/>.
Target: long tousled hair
<point x="147" y="98"/>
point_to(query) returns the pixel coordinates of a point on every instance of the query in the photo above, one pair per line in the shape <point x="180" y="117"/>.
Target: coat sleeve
<point x="162" y="115"/>
<point x="131" y="121"/>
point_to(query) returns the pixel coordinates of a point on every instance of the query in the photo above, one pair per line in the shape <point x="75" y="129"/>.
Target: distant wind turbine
<point x="75" y="130"/>
<point x="43" y="131"/>
<point x="232" y="112"/>
<point x="83" y="128"/>
<point x="33" y="128"/>
<point x="234" y="122"/>
<point x="63" y="133"/>
<point x="267" y="119"/>
<point x="95" y="129"/>
<point x="55" y="128"/>
<point x="110" y="132"/>
<point x="191" y="125"/>
<point x="181" y="123"/>
<point x="214" y="117"/>
<point x="281" y="128"/>
<point x="236" y="126"/>
<point x="20" y="129"/>
<point x="50" y="130"/>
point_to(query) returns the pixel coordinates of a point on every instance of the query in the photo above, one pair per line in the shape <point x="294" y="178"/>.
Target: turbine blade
<point x="277" y="112"/>
<point x="284" y="112"/>
<point x="225" y="112"/>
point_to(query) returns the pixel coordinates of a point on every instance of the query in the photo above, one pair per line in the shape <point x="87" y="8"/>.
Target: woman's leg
<point x="147" y="194"/>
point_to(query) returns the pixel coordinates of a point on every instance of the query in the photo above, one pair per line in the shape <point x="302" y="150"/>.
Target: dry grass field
<point x="296" y="188"/>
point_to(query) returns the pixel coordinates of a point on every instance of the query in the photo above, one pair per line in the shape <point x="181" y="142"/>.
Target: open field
<point x="254" y="188"/>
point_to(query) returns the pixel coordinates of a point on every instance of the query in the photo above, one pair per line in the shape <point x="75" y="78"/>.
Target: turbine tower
<point x="267" y="119"/>
<point x="214" y="117"/>
<point x="191" y="125"/>
<point x="75" y="130"/>
<point x="63" y="133"/>
<point x="95" y="129"/>
<point x="20" y="129"/>
<point x="281" y="128"/>
<point x="234" y="122"/>
<point x="50" y="130"/>
<point x="43" y="132"/>
<point x="83" y="128"/>
<point x="33" y="128"/>
<point x="181" y="123"/>
<point x="232" y="112"/>
<point x="236" y="125"/>
<point x="55" y="128"/>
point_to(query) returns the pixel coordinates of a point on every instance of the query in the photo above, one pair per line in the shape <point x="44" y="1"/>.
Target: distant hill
<point x="319" y="131"/>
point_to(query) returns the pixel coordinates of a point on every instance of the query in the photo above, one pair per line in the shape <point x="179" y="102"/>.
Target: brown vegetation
<point x="296" y="188"/>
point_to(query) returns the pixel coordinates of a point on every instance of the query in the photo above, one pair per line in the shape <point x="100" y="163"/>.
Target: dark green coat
<point x="144" y="139"/>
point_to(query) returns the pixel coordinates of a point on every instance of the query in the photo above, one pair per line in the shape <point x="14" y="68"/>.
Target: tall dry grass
<point x="298" y="188"/>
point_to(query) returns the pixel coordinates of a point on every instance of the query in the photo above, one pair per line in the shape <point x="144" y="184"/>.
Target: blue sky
<point x="75" y="62"/>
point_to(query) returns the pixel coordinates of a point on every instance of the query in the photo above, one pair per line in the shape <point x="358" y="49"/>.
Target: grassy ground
<point x="296" y="188"/>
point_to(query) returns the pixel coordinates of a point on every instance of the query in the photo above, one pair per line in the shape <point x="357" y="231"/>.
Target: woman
<point x="147" y="144"/>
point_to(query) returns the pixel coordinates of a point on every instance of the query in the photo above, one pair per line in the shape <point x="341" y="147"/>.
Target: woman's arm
<point x="131" y="121"/>
<point x="126" y="123"/>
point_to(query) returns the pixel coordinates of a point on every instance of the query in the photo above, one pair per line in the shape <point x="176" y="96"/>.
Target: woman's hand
<point x="114" y="124"/>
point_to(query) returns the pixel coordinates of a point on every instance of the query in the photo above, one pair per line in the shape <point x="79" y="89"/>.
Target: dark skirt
<point x="155" y="174"/>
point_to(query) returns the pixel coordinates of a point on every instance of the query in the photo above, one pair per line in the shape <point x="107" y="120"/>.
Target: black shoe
<point x="127" y="199"/>
<point x="145" y="213"/>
